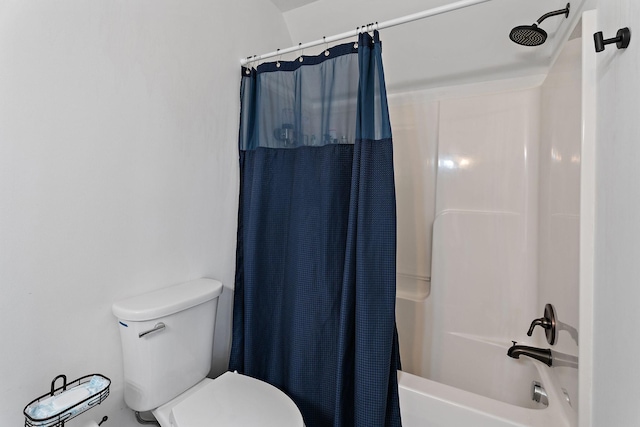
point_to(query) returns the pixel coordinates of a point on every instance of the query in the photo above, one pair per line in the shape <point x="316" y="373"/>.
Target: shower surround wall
<point x="504" y="165"/>
<point x="559" y="206"/>
<point x="485" y="233"/>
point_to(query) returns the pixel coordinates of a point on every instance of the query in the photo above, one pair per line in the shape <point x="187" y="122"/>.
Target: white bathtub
<point x="428" y="403"/>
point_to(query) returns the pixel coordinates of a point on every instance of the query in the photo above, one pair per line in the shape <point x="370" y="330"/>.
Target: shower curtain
<point x="314" y="307"/>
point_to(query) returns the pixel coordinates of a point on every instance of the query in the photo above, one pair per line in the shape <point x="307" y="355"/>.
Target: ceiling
<point x="286" y="5"/>
<point x="463" y="46"/>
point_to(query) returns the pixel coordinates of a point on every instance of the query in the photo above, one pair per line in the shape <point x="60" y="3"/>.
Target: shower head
<point x="532" y="35"/>
<point x="528" y="35"/>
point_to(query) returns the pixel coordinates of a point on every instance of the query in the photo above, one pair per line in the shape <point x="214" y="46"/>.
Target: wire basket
<point x="79" y="398"/>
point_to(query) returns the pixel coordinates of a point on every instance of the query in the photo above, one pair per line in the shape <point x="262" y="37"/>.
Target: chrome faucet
<point x="541" y="354"/>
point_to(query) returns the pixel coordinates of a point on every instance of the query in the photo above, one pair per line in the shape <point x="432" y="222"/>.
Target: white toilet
<point x="167" y="342"/>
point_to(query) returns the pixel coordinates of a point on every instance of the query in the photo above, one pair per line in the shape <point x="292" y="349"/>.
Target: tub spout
<point x="541" y="354"/>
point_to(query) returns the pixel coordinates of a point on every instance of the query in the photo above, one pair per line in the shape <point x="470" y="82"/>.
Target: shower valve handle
<point x="543" y="321"/>
<point x="548" y="322"/>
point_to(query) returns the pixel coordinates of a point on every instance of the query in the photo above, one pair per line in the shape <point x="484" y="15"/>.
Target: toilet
<point x="167" y="343"/>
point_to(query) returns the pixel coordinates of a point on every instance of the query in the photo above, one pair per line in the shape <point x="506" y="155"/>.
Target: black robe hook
<point x="622" y="39"/>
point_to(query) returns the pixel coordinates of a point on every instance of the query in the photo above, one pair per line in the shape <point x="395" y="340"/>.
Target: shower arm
<point x="564" y="12"/>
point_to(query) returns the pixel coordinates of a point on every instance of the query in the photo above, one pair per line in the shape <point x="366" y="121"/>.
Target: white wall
<point x="118" y="173"/>
<point x="617" y="268"/>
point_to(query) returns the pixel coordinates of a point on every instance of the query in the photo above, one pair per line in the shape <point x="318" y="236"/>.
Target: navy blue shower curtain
<point x="314" y="307"/>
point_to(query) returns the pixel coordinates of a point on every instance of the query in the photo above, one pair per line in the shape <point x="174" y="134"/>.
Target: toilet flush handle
<point x="157" y="328"/>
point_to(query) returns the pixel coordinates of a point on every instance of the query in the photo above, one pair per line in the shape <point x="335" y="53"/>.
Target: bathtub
<point x="505" y="385"/>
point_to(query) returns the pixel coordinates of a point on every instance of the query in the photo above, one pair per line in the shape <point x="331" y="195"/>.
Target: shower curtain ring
<point x="278" y="60"/>
<point x="250" y="64"/>
<point x="302" y="50"/>
<point x="326" y="46"/>
<point x="355" y="45"/>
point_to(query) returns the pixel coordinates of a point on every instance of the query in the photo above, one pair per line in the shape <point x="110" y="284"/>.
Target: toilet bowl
<point x="167" y="343"/>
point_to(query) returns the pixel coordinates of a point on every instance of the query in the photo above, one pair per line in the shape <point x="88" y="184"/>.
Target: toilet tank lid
<point x="167" y="301"/>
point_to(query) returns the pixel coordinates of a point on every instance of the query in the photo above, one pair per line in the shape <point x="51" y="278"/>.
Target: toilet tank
<point x="167" y="341"/>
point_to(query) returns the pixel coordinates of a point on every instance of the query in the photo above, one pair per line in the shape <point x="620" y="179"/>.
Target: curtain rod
<point x="386" y="24"/>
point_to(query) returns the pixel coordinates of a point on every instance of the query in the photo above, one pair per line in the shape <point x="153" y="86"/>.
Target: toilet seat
<point x="232" y="400"/>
